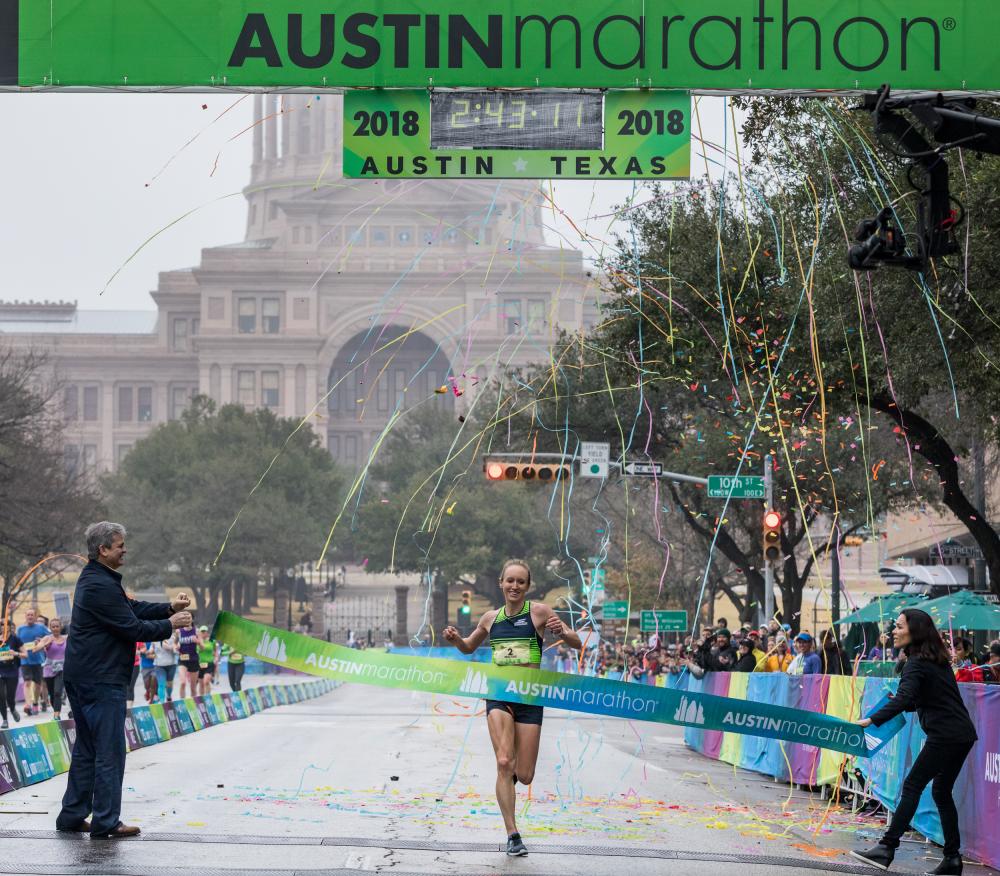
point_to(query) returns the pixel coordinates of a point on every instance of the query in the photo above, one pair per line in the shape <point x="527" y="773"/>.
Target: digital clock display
<point x="554" y="120"/>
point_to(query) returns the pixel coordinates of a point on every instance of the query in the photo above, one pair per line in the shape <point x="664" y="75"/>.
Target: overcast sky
<point x="88" y="178"/>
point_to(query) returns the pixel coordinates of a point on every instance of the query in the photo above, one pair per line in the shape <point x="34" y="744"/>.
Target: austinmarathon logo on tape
<point x="579" y="693"/>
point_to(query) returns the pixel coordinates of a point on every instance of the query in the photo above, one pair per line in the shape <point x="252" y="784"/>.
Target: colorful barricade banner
<point x="183" y="712"/>
<point x="33" y="764"/>
<point x="844" y="701"/>
<point x="537" y="687"/>
<point x="132" y="740"/>
<point x="239" y="705"/>
<point x="56" y="746"/>
<point x="160" y="720"/>
<point x="766" y="756"/>
<point x="173" y="722"/>
<point x="226" y="702"/>
<point x="145" y="725"/>
<point x="732" y="743"/>
<point x="9" y="778"/>
<point x="205" y="714"/>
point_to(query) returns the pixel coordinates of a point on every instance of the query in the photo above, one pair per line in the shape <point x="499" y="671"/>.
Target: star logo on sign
<point x="520" y="165"/>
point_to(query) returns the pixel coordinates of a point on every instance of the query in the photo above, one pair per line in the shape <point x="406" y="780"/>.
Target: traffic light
<point x="466" y="607"/>
<point x="543" y="472"/>
<point x="772" y="536"/>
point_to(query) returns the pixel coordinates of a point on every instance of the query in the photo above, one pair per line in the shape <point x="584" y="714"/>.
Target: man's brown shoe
<point x="123" y="831"/>
<point x="80" y="827"/>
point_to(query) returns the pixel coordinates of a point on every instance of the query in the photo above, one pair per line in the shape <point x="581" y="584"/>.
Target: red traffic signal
<point x="772" y="536"/>
<point x="544" y="472"/>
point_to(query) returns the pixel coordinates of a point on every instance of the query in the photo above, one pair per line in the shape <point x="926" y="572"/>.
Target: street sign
<point x="735" y="486"/>
<point x="615" y="611"/>
<point x="597" y="578"/>
<point x="594" y="458"/>
<point x="663" y="621"/>
<point x="644" y="469"/>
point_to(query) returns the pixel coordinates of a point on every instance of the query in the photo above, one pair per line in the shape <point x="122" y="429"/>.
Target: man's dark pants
<point x="98" y="766"/>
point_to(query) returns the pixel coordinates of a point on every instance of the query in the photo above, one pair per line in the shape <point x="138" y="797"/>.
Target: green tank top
<point x="514" y="640"/>
<point x="206" y="652"/>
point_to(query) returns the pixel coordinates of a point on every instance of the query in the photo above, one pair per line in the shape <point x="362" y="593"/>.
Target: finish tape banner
<point x="536" y="687"/>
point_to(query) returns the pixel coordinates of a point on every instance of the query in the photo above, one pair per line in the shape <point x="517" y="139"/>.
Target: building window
<point x="123" y="451"/>
<point x="71" y="459"/>
<point x="246" y="388"/>
<point x="333" y="399"/>
<point x="216" y="308"/>
<point x="404" y="235"/>
<point x="124" y="404"/>
<point x="330" y="235"/>
<point x="195" y="325"/>
<point x="295" y="234"/>
<point x="351" y="449"/>
<point x="356" y="234"/>
<point x="179" y="398"/>
<point x="271" y="316"/>
<point x="179" y="341"/>
<point x="71" y="403"/>
<point x="428" y="235"/>
<point x="90" y="458"/>
<point x="512" y="315"/>
<point x="451" y="235"/>
<point x="333" y="442"/>
<point x="536" y="315"/>
<point x="400" y="386"/>
<point x="144" y="404"/>
<point x="272" y="211"/>
<point x="380" y="235"/>
<point x="269" y="395"/>
<point x="247" y="316"/>
<point x="382" y="393"/>
<point x="90" y="404"/>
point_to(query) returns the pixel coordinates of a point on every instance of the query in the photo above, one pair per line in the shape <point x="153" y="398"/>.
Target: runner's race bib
<point x="512" y="653"/>
<point x="203" y="666"/>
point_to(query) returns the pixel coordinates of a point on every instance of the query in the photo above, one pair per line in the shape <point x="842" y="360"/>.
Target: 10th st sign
<point x="736" y="487"/>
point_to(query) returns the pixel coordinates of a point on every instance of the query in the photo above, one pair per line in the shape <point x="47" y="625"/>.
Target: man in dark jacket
<point x="100" y="653"/>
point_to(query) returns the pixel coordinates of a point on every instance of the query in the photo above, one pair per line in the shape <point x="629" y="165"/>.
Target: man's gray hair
<point x="101" y="535"/>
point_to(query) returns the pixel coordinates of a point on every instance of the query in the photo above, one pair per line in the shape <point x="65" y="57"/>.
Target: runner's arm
<point x="474" y="639"/>
<point x="555" y="626"/>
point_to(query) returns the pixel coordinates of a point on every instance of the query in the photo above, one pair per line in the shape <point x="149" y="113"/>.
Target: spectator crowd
<point x="34" y="653"/>
<point x="770" y="648"/>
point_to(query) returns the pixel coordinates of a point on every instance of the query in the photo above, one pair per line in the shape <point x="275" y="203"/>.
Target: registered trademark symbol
<point x="949" y="23"/>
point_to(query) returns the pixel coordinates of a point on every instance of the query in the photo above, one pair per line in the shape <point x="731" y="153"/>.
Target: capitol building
<point x="346" y="300"/>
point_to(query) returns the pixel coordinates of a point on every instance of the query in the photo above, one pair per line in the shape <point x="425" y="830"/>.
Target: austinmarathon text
<point x="538" y="687"/>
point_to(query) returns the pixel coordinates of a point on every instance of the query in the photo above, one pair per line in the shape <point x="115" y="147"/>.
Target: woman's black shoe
<point x="951" y="865"/>
<point x="878" y="856"/>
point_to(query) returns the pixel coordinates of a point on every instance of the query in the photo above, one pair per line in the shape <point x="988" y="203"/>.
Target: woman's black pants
<point x="8" y="692"/>
<point x="940" y="763"/>
<point x="236" y="671"/>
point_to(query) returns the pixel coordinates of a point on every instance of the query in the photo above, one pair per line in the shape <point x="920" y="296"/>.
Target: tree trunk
<point x="227" y="595"/>
<point x="439" y="603"/>
<point x="281" y="604"/>
<point x="932" y="445"/>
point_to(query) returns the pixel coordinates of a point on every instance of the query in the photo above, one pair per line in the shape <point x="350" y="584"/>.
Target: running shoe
<point x="4" y="725"/>
<point x="515" y="848"/>
<point x="16" y="714"/>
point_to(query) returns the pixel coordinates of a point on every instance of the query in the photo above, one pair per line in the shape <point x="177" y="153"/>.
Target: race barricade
<point x="977" y="792"/>
<point x="38" y="752"/>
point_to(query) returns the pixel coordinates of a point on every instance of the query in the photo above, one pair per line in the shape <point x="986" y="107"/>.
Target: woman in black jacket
<point x="928" y="686"/>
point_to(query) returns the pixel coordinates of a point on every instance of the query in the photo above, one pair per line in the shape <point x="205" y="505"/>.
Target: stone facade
<point x="345" y="300"/>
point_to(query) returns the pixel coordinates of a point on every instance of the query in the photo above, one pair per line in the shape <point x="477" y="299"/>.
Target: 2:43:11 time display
<point x="517" y="120"/>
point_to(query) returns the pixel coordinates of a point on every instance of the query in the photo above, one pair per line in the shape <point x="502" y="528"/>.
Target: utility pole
<point x="835" y="577"/>
<point x="979" y="476"/>
<point x="768" y="569"/>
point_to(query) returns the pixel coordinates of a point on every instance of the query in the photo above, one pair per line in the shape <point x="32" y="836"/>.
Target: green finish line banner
<point x="537" y="687"/>
<point x="690" y="44"/>
<point x="388" y="134"/>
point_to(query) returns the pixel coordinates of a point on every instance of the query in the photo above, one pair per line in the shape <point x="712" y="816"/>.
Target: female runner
<point x="515" y="634"/>
<point x="928" y="686"/>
